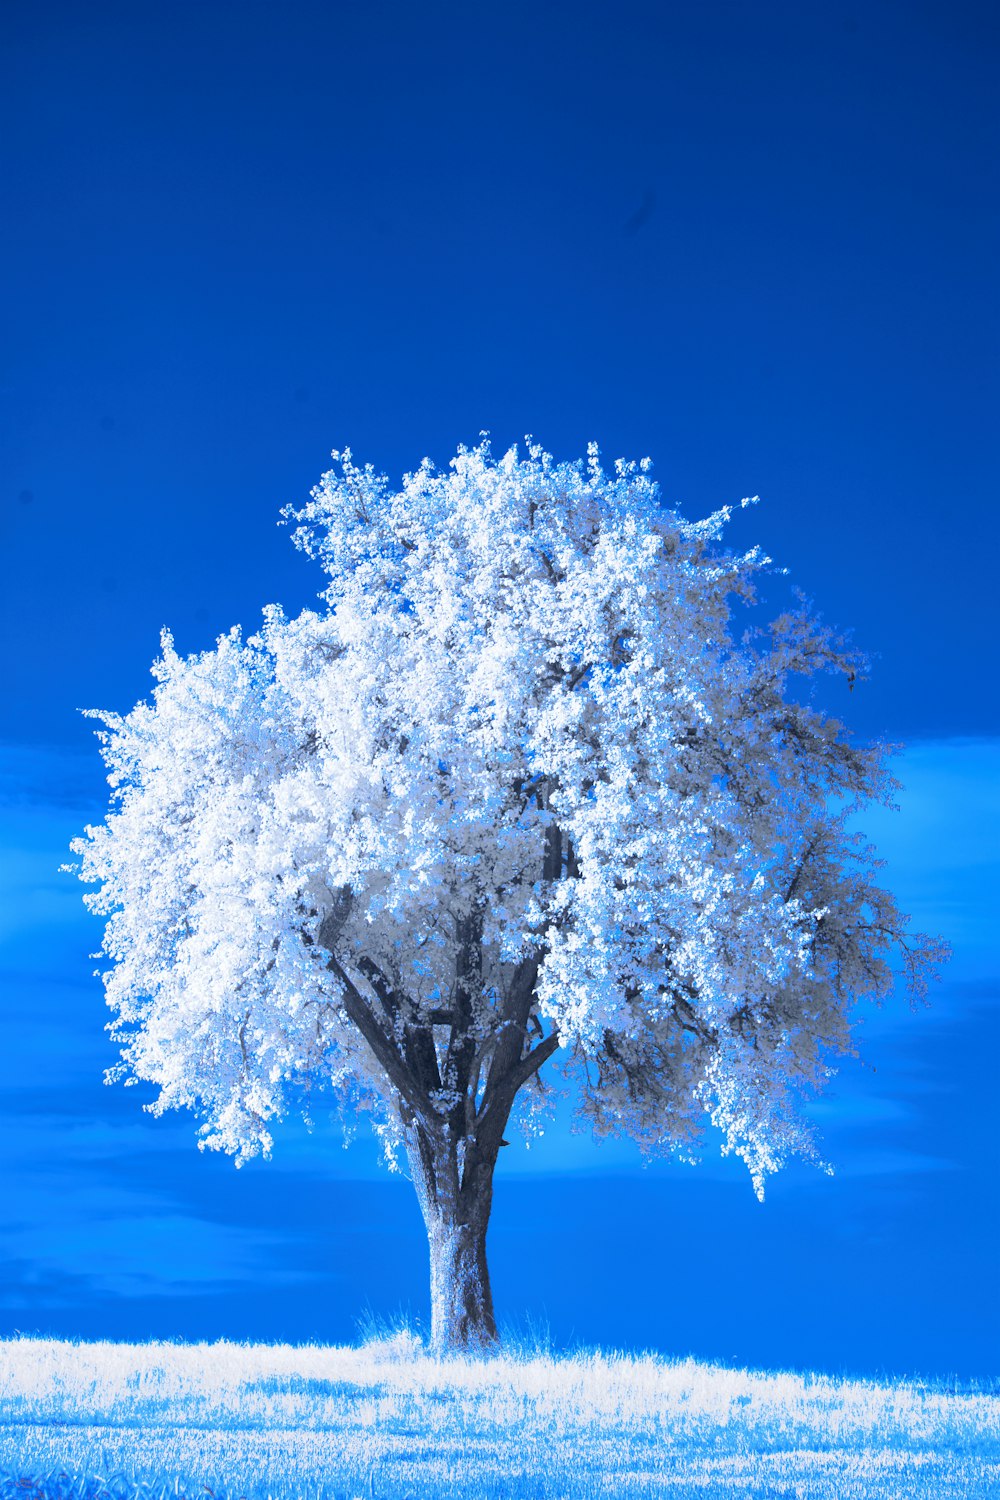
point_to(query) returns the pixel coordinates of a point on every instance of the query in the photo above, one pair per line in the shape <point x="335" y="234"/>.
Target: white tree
<point x="516" y="791"/>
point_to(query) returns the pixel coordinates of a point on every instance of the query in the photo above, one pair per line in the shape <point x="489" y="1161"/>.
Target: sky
<point x="757" y="243"/>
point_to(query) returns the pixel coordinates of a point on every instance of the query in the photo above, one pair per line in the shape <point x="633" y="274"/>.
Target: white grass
<point x="388" y="1421"/>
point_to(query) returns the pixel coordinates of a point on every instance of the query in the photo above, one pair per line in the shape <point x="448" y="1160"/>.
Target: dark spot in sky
<point x="642" y="214"/>
<point x="26" y="497"/>
<point x="107" y="423"/>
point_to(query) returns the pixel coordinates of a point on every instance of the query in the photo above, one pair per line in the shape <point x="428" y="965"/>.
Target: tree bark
<point x="455" y="1201"/>
<point x="462" y="1318"/>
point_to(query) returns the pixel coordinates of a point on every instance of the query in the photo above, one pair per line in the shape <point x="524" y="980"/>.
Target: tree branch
<point x="496" y="1109"/>
<point x="418" y="1043"/>
<point x="360" y="1014"/>
<point x="530" y="1064"/>
<point x="467" y="989"/>
<point x="513" y="1025"/>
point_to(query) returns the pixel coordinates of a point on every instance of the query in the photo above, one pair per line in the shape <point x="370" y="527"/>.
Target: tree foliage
<point x="519" y="787"/>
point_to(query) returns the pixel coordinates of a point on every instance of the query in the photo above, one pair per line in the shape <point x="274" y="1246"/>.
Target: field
<point x="388" y="1421"/>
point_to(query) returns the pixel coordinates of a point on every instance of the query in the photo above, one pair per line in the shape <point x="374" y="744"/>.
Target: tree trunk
<point x="462" y="1317"/>
<point x="456" y="1204"/>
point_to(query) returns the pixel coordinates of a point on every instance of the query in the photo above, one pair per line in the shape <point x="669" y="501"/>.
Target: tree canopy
<point x="520" y="788"/>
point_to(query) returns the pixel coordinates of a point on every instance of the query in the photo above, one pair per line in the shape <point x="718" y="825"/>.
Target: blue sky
<point x="756" y="243"/>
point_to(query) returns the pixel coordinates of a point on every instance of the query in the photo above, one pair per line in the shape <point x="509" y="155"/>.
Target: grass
<point x="388" y="1422"/>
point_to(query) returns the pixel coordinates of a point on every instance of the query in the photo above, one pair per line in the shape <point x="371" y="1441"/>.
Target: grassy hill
<point x="390" y="1422"/>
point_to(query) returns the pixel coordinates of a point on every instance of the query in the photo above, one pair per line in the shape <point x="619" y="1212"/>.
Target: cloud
<point x="53" y="777"/>
<point x="37" y="901"/>
<point x="46" y="798"/>
<point x="110" y="1244"/>
<point x="887" y="1163"/>
<point x="99" y="1204"/>
<point x="942" y="848"/>
<point x="53" y="1036"/>
<point x="75" y="1140"/>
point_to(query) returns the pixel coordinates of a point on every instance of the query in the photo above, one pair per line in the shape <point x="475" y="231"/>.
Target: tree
<point x="516" y="791"/>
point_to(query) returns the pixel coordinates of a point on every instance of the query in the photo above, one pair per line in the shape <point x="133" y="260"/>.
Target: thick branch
<point x="530" y="1064"/>
<point x="513" y="1025"/>
<point x="418" y="1043"/>
<point x="467" y="989"/>
<point x="360" y="1014"/>
<point x="497" y="1105"/>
